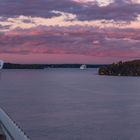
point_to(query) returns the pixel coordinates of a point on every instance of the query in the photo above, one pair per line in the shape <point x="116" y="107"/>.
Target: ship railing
<point x="10" y="128"/>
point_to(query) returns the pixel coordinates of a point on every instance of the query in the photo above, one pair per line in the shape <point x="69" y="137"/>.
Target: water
<point x="70" y="104"/>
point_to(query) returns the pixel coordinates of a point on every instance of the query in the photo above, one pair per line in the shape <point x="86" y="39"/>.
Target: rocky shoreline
<point x="129" y="68"/>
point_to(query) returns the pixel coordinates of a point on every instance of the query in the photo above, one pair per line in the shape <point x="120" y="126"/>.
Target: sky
<point x="69" y="31"/>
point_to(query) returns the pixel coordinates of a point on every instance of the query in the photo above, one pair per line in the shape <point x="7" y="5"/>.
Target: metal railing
<point x="10" y="129"/>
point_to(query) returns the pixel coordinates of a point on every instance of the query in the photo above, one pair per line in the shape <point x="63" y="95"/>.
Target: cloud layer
<point x="90" y="42"/>
<point x="117" y="10"/>
<point x="96" y="28"/>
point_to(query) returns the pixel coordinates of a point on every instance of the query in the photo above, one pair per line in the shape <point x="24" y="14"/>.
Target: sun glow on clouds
<point x="101" y="14"/>
<point x="99" y="2"/>
<point x="63" y="20"/>
<point x="102" y="2"/>
<point x="27" y="22"/>
<point x="136" y="1"/>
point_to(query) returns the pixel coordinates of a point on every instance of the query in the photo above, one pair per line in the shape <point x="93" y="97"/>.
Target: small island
<point x="128" y="68"/>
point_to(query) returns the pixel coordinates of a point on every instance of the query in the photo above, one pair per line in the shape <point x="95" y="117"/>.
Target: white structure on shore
<point x="82" y="67"/>
<point x="1" y="64"/>
<point x="9" y="130"/>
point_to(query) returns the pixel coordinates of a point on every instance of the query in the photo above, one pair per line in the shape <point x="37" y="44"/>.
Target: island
<point x="46" y="66"/>
<point x="128" y="68"/>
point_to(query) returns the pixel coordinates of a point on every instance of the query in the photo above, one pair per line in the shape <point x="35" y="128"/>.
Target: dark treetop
<point x="129" y="68"/>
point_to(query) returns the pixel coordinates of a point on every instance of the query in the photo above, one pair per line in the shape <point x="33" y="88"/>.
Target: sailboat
<point x="1" y="64"/>
<point x="83" y="67"/>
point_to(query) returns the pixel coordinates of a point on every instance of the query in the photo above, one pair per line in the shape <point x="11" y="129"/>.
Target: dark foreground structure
<point x="9" y="129"/>
<point x="129" y="68"/>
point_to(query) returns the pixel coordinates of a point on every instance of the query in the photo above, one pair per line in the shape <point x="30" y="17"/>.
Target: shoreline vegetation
<point x="128" y="68"/>
<point x="45" y="66"/>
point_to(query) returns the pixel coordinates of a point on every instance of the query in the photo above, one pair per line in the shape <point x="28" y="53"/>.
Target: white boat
<point x="83" y="67"/>
<point x="1" y="64"/>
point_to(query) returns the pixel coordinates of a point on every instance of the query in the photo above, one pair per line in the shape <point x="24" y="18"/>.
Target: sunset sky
<point x="69" y="31"/>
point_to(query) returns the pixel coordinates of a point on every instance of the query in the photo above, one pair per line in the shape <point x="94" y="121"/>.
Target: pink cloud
<point x="94" y="43"/>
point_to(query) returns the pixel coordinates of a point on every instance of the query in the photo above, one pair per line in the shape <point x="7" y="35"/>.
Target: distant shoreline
<point x="43" y="66"/>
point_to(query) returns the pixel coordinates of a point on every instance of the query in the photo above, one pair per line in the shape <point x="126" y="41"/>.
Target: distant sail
<point x="1" y="64"/>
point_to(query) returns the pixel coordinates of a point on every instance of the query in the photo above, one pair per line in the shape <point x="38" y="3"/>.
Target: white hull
<point x="83" y="67"/>
<point x="1" y="64"/>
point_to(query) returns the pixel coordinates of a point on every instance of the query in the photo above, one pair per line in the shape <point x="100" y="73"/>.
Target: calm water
<point x="69" y="104"/>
